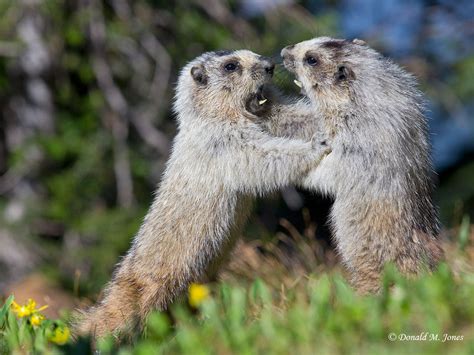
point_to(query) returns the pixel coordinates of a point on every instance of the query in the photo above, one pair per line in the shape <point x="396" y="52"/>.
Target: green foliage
<point x="456" y="195"/>
<point x="321" y="314"/>
<point x="463" y="238"/>
<point x="463" y="81"/>
<point x="19" y="334"/>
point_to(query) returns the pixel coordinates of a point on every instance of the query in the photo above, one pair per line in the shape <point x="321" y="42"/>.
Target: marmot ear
<point x="359" y="42"/>
<point x="199" y="74"/>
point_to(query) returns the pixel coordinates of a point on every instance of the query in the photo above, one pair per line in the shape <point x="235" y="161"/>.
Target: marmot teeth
<point x="298" y="83"/>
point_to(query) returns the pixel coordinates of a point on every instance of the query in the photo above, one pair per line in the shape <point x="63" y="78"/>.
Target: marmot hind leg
<point x="412" y="258"/>
<point x="115" y="314"/>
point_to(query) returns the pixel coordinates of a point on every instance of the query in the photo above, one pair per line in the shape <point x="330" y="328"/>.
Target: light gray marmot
<point x="380" y="171"/>
<point x="220" y="159"/>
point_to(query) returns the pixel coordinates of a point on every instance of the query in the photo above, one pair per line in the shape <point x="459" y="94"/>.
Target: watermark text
<point x="425" y="336"/>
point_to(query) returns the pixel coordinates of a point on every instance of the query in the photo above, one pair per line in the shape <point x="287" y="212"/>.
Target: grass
<point x="302" y="314"/>
<point x="320" y="315"/>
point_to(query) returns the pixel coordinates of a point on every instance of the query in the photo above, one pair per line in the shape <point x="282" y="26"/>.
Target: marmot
<point x="220" y="159"/>
<point x="380" y="171"/>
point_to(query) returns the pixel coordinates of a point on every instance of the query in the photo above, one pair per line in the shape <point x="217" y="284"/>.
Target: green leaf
<point x="5" y="309"/>
<point x="463" y="237"/>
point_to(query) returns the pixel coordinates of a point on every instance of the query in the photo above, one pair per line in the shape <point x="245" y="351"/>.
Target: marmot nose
<point x="269" y="68"/>
<point x="263" y="64"/>
<point x="268" y="65"/>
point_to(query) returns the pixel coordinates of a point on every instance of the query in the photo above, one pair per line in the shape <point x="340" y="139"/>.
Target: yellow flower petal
<point x="60" y="335"/>
<point x="21" y="311"/>
<point x="36" y="319"/>
<point x="198" y="293"/>
<point x="27" y="309"/>
<point x="31" y="305"/>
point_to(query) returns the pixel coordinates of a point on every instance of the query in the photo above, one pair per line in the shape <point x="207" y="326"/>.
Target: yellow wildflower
<point x="60" y="335"/>
<point x="198" y="293"/>
<point x="21" y="311"/>
<point x="36" y="319"/>
<point x="26" y="310"/>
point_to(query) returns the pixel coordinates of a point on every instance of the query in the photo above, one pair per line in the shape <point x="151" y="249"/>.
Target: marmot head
<point x="350" y="80"/>
<point x="328" y="68"/>
<point x="220" y="84"/>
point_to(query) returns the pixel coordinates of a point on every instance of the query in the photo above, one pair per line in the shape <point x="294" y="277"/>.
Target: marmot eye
<point x="230" y="66"/>
<point x="311" y="61"/>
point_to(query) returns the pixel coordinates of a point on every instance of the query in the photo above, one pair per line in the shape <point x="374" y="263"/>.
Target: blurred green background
<point x="86" y="125"/>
